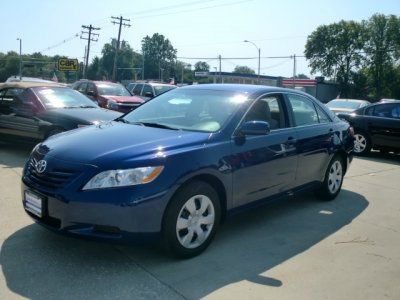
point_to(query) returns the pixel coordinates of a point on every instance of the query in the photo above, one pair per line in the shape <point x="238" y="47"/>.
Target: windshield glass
<point x="186" y="109"/>
<point x="59" y="97"/>
<point x="112" y="89"/>
<point x="162" y="88"/>
<point x="344" y="104"/>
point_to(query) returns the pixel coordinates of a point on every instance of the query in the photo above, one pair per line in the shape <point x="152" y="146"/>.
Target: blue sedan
<point x="176" y="166"/>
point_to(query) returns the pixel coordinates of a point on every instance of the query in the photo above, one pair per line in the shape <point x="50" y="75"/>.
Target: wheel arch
<point x="212" y="180"/>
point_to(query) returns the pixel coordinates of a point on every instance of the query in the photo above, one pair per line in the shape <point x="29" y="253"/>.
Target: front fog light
<point x="119" y="178"/>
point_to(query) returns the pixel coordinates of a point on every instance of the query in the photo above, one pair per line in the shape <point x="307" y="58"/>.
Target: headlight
<point x="119" y="178"/>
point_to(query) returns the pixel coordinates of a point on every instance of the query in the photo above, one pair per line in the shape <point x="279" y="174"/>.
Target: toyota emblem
<point x="41" y="166"/>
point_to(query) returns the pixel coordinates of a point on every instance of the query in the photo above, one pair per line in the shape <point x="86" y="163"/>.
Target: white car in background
<point x="344" y="106"/>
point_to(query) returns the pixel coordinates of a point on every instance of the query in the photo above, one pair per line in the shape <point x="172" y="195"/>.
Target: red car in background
<point x="108" y="95"/>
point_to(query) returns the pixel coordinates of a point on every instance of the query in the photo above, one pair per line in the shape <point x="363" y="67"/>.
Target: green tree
<point x="335" y="51"/>
<point x="382" y="49"/>
<point x="201" y="66"/>
<point x="159" y="55"/>
<point x="243" y="70"/>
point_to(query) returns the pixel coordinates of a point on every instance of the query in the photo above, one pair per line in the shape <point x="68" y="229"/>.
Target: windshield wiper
<point x="157" y="125"/>
<point x="80" y="106"/>
<point x="122" y="120"/>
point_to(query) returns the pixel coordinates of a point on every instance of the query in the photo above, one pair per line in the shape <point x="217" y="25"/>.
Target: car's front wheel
<point x="333" y="180"/>
<point x="191" y="219"/>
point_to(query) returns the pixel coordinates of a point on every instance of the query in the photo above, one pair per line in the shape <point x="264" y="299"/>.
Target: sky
<point x="199" y="30"/>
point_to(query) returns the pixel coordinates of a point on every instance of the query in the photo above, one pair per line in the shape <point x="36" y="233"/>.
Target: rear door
<point x="383" y="124"/>
<point x="315" y="132"/>
<point x="264" y="165"/>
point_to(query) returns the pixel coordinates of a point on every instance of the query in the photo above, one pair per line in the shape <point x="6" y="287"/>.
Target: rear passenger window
<point x="322" y="116"/>
<point x="304" y="112"/>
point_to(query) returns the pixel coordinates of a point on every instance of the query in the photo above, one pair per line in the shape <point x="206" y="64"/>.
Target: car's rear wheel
<point x="333" y="180"/>
<point x="191" y="219"/>
<point x="362" y="144"/>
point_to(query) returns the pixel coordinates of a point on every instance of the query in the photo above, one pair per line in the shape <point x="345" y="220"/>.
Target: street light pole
<point x="20" y="58"/>
<point x="259" y="56"/>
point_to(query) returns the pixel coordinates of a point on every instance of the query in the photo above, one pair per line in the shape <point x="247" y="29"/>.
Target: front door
<point x="264" y="165"/>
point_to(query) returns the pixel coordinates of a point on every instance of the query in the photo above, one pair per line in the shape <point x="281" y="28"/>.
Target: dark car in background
<point x="376" y="126"/>
<point x="108" y="95"/>
<point x="39" y="110"/>
<point x="148" y="90"/>
<point x="346" y="105"/>
<point x="181" y="162"/>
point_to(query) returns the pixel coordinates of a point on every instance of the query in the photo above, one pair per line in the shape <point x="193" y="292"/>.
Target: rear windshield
<point x="112" y="89"/>
<point x="162" y="88"/>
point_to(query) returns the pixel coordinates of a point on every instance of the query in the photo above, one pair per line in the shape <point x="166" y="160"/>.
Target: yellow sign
<point x="66" y="64"/>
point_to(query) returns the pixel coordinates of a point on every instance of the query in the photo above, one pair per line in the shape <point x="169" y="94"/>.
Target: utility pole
<point x="142" y="64"/>
<point x="294" y="70"/>
<point x="220" y="76"/>
<point x="120" y="23"/>
<point x="90" y="37"/>
<point x="20" y="58"/>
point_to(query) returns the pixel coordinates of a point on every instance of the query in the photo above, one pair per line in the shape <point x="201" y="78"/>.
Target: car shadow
<point x="38" y="264"/>
<point x="385" y="158"/>
<point x="15" y="154"/>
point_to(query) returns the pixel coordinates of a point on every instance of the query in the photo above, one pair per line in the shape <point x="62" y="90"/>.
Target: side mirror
<point x="255" y="128"/>
<point x="149" y="94"/>
<point x="91" y="93"/>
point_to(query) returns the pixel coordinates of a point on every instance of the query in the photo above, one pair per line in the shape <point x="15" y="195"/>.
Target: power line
<point x="66" y="40"/>
<point x="196" y="9"/>
<point x="121" y="23"/>
<point x="91" y="36"/>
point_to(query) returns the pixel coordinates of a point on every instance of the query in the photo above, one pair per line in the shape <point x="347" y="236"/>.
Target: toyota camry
<point x="175" y="167"/>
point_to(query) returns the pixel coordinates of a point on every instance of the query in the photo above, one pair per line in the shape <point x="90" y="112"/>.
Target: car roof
<point x="350" y="100"/>
<point x="26" y="84"/>
<point x="243" y="88"/>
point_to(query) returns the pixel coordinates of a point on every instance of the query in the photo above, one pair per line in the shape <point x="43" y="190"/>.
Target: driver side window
<point x="268" y="109"/>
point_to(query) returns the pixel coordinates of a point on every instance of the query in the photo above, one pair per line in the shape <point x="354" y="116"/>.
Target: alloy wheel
<point x="335" y="177"/>
<point x="360" y="143"/>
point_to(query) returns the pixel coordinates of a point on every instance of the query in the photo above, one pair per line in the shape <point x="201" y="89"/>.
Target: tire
<point x="362" y="143"/>
<point x="191" y="220"/>
<point x="53" y="132"/>
<point x="333" y="180"/>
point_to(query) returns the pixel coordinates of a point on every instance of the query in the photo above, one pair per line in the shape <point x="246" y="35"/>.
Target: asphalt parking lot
<point x="300" y="248"/>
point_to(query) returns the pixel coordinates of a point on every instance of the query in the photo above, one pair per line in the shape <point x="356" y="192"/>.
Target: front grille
<point x="55" y="178"/>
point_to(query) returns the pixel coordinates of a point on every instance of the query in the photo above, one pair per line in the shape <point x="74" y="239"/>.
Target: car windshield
<point x="60" y="97"/>
<point x="188" y="109"/>
<point x="344" y="104"/>
<point x="112" y="89"/>
<point x="163" y="88"/>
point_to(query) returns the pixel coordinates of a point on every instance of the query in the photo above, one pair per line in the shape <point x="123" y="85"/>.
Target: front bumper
<point x="123" y="215"/>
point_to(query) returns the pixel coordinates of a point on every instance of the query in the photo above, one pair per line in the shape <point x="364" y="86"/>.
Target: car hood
<point x="113" y="143"/>
<point x="88" y="115"/>
<point x="122" y="99"/>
